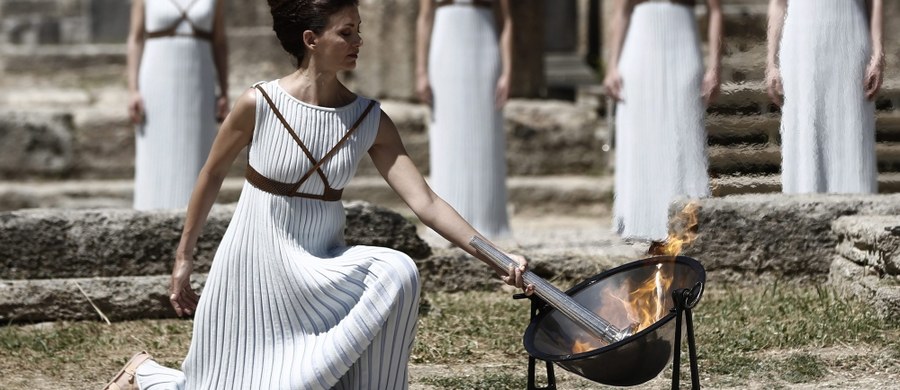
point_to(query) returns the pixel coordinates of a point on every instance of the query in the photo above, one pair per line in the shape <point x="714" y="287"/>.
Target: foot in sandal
<point x="125" y="379"/>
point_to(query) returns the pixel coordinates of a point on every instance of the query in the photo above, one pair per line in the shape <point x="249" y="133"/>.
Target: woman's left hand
<point x="501" y="95"/>
<point x="874" y="76"/>
<point x="221" y="108"/>
<point x="515" y="275"/>
<point x="710" y="87"/>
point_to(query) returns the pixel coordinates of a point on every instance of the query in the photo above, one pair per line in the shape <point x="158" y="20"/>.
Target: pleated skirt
<point x="273" y="315"/>
<point x="827" y="125"/>
<point x="177" y="80"/>
<point x="467" y="144"/>
<point x="660" y="135"/>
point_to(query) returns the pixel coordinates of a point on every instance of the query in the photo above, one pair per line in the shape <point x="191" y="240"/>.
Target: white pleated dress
<point x="827" y="124"/>
<point x="467" y="145"/>
<point x="287" y="305"/>
<point x="660" y="135"/>
<point x="177" y="80"/>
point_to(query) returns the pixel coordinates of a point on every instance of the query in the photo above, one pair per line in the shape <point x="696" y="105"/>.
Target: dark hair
<point x="290" y="18"/>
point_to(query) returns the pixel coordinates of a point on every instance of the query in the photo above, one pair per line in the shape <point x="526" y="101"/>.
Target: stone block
<point x="53" y="243"/>
<point x="864" y="240"/>
<point x="864" y="283"/>
<point x="35" y="144"/>
<point x="776" y="234"/>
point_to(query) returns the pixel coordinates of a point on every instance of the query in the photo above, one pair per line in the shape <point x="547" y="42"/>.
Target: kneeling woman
<point x="287" y="305"/>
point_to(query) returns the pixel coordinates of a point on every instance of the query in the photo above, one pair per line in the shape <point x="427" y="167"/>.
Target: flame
<point x="640" y="305"/>
<point x="683" y="231"/>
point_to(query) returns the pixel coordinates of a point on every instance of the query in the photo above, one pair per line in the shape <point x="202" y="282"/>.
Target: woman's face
<point x="338" y="44"/>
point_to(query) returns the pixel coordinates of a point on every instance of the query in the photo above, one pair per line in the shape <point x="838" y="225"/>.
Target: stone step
<point x="723" y="185"/>
<point x="587" y="195"/>
<point x="751" y="98"/>
<point x="54" y="243"/>
<point x="766" y="158"/>
<point x="761" y="129"/>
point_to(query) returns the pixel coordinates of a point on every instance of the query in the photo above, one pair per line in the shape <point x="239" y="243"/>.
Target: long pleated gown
<point x="827" y="124"/>
<point x="660" y="135"/>
<point x="467" y="145"/>
<point x="287" y="305"/>
<point x="177" y="80"/>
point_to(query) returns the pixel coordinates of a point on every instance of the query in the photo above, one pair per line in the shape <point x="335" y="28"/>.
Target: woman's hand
<point x="136" y="108"/>
<point x="514" y="275"/>
<point x="221" y="108"/>
<point x="501" y="94"/>
<point x="612" y="84"/>
<point x="710" y="87"/>
<point x="874" y="76"/>
<point x="423" y="89"/>
<point x="773" y="84"/>
<point x="181" y="295"/>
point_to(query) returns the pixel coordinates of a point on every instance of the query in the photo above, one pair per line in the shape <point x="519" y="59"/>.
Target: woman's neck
<point x="317" y="87"/>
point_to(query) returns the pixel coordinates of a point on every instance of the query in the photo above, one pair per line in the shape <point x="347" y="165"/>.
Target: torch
<point x="586" y="319"/>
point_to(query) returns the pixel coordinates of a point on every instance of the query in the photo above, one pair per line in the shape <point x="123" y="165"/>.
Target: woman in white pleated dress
<point x="287" y="304"/>
<point x="655" y="73"/>
<point x="464" y="63"/>
<point x="176" y="52"/>
<point x="825" y="57"/>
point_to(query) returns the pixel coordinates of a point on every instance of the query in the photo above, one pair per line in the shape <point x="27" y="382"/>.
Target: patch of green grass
<point x="802" y="368"/>
<point x="488" y="381"/>
<point x="472" y="326"/>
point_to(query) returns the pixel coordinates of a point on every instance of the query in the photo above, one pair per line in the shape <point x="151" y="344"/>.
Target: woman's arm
<point x="234" y="134"/>
<point x="220" y="55"/>
<point x="506" y="42"/>
<point x="712" y="79"/>
<point x="612" y="83"/>
<point x="875" y="70"/>
<point x="423" y="43"/>
<point x="773" y="36"/>
<point x="395" y="165"/>
<point x="135" y="50"/>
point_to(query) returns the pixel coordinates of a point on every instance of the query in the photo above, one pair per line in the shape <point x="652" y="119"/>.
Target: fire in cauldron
<point x="620" y="327"/>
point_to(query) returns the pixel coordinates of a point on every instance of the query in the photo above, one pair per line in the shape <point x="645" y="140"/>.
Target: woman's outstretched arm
<point x="135" y="45"/>
<point x="424" y="24"/>
<point x="234" y="134"/>
<point x="397" y="168"/>
<point x="773" y="36"/>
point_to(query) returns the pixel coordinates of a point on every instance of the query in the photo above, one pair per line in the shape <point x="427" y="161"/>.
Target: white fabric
<point x="177" y="80"/>
<point x="660" y="136"/>
<point x="827" y="125"/>
<point x="467" y="145"/>
<point x="287" y="305"/>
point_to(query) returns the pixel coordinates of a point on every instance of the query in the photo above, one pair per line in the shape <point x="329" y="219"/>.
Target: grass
<point x="774" y="335"/>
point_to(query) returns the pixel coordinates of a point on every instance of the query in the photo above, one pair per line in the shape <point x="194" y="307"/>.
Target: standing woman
<point x="656" y="76"/>
<point x="176" y="50"/>
<point x="826" y="58"/>
<point x="463" y="73"/>
<point x="287" y="304"/>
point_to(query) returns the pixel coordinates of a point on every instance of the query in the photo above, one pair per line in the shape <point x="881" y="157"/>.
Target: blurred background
<point x="65" y="140"/>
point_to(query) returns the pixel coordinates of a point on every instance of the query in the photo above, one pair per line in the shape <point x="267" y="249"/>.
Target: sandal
<point x="125" y="380"/>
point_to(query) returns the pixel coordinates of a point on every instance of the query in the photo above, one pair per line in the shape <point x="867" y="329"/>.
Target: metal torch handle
<point x="579" y="314"/>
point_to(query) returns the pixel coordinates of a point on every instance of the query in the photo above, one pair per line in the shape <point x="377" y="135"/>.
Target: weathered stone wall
<point x="38" y="244"/>
<point x="777" y="235"/>
<point x="867" y="263"/>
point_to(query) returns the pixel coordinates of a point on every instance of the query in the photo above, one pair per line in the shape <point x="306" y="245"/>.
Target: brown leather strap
<point x="294" y="135"/>
<point x="171" y="31"/>
<point x="476" y="3"/>
<point x="263" y="183"/>
<point x="290" y="189"/>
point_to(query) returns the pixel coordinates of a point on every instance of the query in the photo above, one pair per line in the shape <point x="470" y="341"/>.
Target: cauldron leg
<point x="684" y="301"/>
<point x="536" y="303"/>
